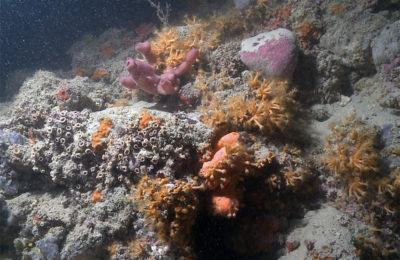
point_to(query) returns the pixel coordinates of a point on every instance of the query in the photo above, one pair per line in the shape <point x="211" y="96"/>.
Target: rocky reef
<point x="279" y="140"/>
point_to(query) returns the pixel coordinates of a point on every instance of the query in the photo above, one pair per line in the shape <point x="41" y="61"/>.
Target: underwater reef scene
<point x="243" y="129"/>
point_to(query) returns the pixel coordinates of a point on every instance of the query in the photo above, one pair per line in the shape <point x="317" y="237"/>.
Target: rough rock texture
<point x="227" y="58"/>
<point x="272" y="53"/>
<point x="48" y="176"/>
<point x="326" y="231"/>
<point x="66" y="225"/>
<point x="385" y="46"/>
<point x="106" y="52"/>
<point x="349" y="38"/>
<point x="241" y="4"/>
<point x="67" y="195"/>
<point x="339" y="47"/>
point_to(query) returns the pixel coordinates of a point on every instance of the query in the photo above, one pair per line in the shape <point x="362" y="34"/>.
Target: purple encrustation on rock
<point x="143" y="74"/>
<point x="273" y="53"/>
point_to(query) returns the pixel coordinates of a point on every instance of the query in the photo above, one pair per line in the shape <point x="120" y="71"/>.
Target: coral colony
<point x="220" y="163"/>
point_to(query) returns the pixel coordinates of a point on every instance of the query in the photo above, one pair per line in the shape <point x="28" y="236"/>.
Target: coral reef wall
<point x="280" y="139"/>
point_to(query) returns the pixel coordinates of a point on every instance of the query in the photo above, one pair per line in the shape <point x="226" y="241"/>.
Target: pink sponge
<point x="273" y="53"/>
<point x="143" y="74"/>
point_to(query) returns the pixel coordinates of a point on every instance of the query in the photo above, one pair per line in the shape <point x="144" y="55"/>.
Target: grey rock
<point x="386" y="45"/>
<point x="349" y="34"/>
<point x="325" y="228"/>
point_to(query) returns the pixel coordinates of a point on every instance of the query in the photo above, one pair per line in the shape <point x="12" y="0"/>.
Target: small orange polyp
<point x="97" y="197"/>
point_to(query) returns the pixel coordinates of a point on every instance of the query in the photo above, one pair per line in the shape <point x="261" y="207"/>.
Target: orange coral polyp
<point x="228" y="139"/>
<point x="225" y="206"/>
<point x="98" y="75"/>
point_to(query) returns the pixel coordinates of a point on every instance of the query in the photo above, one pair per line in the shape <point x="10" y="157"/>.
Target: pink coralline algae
<point x="143" y="74"/>
<point x="273" y="53"/>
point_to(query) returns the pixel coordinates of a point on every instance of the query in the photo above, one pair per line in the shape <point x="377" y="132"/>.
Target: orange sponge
<point x="228" y="139"/>
<point x="225" y="206"/>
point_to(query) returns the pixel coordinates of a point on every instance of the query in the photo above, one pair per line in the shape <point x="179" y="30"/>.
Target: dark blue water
<point x="37" y="33"/>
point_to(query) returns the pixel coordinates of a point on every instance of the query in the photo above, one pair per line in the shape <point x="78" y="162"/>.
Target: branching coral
<point x="202" y="34"/>
<point x="354" y="157"/>
<point x="293" y="178"/>
<point x="138" y="249"/>
<point x="268" y="108"/>
<point x="171" y="206"/>
<point x="232" y="23"/>
<point x="354" y="160"/>
<point x="170" y="47"/>
<point x="352" y="153"/>
<point x="357" y="188"/>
